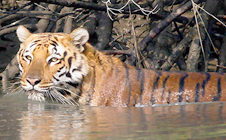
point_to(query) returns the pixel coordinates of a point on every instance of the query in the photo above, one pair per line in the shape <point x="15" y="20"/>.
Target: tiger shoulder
<point x="66" y="68"/>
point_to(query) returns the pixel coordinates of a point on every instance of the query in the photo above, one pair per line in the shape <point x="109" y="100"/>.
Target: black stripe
<point x="62" y="74"/>
<point x="54" y="50"/>
<point x="155" y="86"/>
<point x="56" y="78"/>
<point x="141" y="84"/>
<point x="32" y="44"/>
<point x="64" y="92"/>
<point x="164" y="86"/>
<point x="69" y="61"/>
<point x="56" y="38"/>
<point x="54" y="42"/>
<point x="50" y="60"/>
<point x="197" y="92"/>
<point x="181" y="88"/>
<point x="58" y="54"/>
<point x="36" y="41"/>
<point x="73" y="84"/>
<point x="20" y="51"/>
<point x="78" y="69"/>
<point x="65" y="53"/>
<point x="208" y="76"/>
<point x="138" y="73"/>
<point x="95" y="52"/>
<point x="128" y="82"/>
<point x="44" y="36"/>
<point x="61" y="68"/>
<point x="38" y="45"/>
<point x="218" y="96"/>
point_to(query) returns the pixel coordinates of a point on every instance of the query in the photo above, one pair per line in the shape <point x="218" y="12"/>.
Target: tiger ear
<point x="22" y="33"/>
<point x="79" y="37"/>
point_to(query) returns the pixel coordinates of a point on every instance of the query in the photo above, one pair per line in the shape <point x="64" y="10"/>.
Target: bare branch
<point x="155" y="31"/>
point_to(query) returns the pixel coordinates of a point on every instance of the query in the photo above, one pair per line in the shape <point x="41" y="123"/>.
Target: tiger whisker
<point x="76" y="95"/>
<point x="21" y="90"/>
<point x="53" y="96"/>
<point x="49" y="95"/>
<point x="18" y="77"/>
<point x="58" y="98"/>
<point x="11" y="90"/>
<point x="64" y="99"/>
<point x="14" y="90"/>
<point x="18" y="90"/>
<point x="71" y="97"/>
<point x="12" y="85"/>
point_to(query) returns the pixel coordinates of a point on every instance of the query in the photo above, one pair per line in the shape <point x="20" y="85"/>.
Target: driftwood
<point x="163" y="37"/>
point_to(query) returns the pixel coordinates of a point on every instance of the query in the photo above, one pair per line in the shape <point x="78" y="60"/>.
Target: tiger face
<point x="48" y="61"/>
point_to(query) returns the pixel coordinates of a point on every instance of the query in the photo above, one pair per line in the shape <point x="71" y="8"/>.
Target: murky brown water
<point x="30" y="120"/>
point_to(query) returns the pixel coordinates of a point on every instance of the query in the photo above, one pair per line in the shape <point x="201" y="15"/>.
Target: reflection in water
<point x="23" y="119"/>
<point x="50" y="122"/>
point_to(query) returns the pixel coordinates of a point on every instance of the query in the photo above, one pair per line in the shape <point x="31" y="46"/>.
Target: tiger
<point x="66" y="68"/>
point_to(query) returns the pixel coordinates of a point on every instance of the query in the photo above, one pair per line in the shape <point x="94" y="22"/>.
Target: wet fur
<point x="110" y="82"/>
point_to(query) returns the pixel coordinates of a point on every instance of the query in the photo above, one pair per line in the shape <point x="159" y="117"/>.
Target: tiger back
<point x="66" y="68"/>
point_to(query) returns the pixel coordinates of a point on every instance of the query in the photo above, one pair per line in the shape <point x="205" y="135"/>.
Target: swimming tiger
<point x="65" y="68"/>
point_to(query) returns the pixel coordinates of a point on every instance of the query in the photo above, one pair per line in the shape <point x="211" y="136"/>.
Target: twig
<point x="163" y="24"/>
<point x="112" y="10"/>
<point x="13" y="12"/>
<point x="12" y="29"/>
<point x="211" y="15"/>
<point x="197" y="27"/>
<point x="14" y="23"/>
<point x="137" y="51"/>
<point x="117" y="52"/>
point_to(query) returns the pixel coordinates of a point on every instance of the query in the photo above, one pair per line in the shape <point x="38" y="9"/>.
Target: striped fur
<point x="81" y="74"/>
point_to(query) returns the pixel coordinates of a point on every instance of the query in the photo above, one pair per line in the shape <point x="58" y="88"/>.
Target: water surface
<point x="24" y="119"/>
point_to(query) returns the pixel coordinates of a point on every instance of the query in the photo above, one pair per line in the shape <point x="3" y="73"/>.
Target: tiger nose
<point x="33" y="81"/>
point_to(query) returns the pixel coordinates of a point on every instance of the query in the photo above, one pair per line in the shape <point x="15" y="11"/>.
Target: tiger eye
<point x="28" y="57"/>
<point x="54" y="59"/>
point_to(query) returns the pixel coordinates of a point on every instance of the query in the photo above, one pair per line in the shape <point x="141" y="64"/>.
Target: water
<point x="24" y="119"/>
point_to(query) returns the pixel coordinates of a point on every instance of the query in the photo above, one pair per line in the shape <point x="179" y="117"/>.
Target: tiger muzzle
<point x="33" y="81"/>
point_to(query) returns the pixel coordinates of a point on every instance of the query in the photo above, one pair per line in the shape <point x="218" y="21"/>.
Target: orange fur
<point x="117" y="85"/>
<point x="107" y="81"/>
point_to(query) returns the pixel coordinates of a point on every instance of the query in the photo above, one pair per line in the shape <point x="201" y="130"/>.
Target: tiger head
<point x="48" y="61"/>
